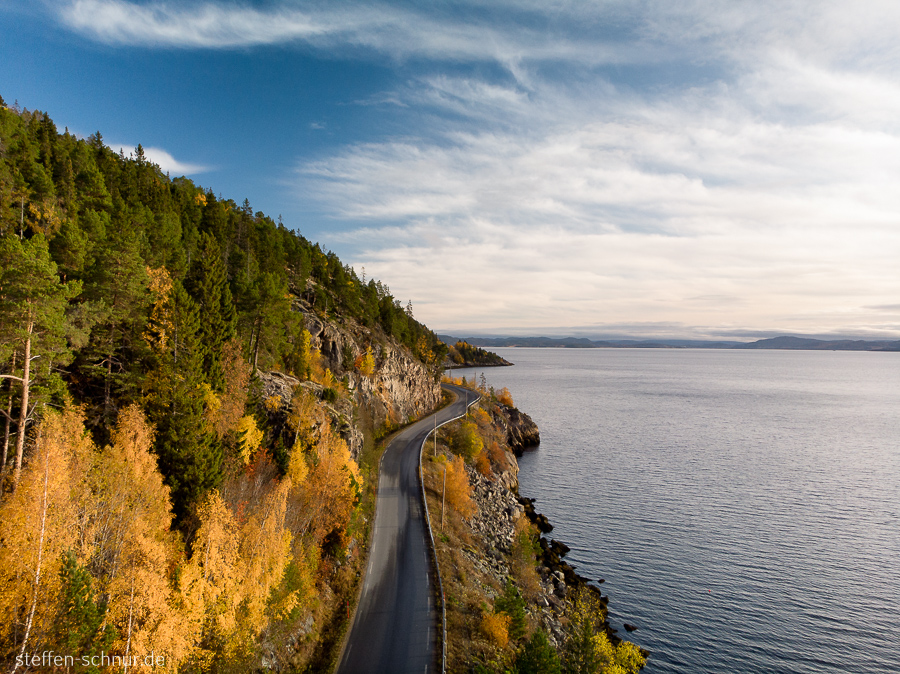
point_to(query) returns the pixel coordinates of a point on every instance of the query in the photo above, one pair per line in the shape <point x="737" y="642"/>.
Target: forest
<point x="149" y="505"/>
<point x="463" y="354"/>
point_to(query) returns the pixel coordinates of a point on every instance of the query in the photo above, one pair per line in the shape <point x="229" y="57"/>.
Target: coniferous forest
<point x="149" y="502"/>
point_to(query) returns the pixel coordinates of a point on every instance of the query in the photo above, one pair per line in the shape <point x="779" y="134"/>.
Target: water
<point x="743" y="506"/>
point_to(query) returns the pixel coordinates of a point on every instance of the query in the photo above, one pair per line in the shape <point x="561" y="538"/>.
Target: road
<point x="397" y="624"/>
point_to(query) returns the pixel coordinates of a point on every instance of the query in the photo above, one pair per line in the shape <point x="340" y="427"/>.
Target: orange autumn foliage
<point x="505" y="397"/>
<point x="459" y="491"/>
<point x="495" y="626"/>
<point x="328" y="494"/>
<point x="483" y="464"/>
<point x="498" y="456"/>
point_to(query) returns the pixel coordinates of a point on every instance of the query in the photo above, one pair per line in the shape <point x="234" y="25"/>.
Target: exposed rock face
<point x="521" y="431"/>
<point x="340" y="412"/>
<point x="493" y="525"/>
<point x="400" y="388"/>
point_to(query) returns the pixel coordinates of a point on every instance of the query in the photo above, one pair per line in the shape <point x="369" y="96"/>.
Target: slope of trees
<point x="142" y="506"/>
<point x="463" y="354"/>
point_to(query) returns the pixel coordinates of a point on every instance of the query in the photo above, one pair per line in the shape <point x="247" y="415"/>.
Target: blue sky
<point x="650" y="167"/>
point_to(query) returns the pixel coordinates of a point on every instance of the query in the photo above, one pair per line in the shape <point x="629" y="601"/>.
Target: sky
<point x="648" y="168"/>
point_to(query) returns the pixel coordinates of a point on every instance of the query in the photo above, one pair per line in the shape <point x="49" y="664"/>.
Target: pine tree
<point x="117" y="283"/>
<point x="512" y="604"/>
<point x="33" y="322"/>
<point x="537" y="656"/>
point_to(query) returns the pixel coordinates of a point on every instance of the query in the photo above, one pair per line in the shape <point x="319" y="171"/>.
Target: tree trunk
<point x="107" y="398"/>
<point x="8" y="419"/>
<point x="37" y="572"/>
<point x="130" y="619"/>
<point x="23" y="416"/>
<point x="256" y="333"/>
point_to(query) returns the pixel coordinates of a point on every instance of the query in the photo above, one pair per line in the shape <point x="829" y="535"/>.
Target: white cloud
<point x="621" y="207"/>
<point x="164" y="160"/>
<point x="699" y="163"/>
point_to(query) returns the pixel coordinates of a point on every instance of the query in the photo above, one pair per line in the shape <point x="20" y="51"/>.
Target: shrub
<point x="505" y="397"/>
<point x="465" y="441"/>
<point x="459" y="492"/>
<point x="495" y="627"/>
<point x="483" y="464"/>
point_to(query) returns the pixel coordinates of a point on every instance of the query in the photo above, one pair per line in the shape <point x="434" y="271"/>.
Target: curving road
<point x="397" y="624"/>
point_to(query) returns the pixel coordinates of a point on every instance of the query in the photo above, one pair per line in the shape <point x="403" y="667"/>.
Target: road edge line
<point x="434" y="560"/>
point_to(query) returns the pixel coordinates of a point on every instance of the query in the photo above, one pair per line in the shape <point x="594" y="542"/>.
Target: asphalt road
<point x="397" y="624"/>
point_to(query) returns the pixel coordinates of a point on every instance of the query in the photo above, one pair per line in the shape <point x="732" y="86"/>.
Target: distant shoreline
<point x="784" y="343"/>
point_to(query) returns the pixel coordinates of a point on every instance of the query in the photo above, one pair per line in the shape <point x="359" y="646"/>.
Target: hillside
<point x="192" y="396"/>
<point x="809" y="344"/>
<point x="463" y="354"/>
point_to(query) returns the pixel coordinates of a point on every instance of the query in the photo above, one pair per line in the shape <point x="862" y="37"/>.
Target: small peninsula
<point x="462" y="354"/>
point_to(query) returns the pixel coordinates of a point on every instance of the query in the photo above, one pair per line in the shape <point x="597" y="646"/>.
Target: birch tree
<point x="37" y="524"/>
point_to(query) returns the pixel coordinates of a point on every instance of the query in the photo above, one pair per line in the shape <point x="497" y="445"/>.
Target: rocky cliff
<point x="520" y="430"/>
<point x="400" y="387"/>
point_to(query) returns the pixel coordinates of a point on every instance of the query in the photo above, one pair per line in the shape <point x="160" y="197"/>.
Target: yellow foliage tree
<point x="482" y="418"/>
<point x="459" y="491"/>
<point x="138" y="549"/>
<point x="304" y="418"/>
<point x="587" y="648"/>
<point x="273" y="403"/>
<point x="233" y="400"/>
<point x="366" y="362"/>
<point x="211" y="580"/>
<point x="424" y="350"/>
<point x="304" y="355"/>
<point x="625" y="658"/>
<point x="466" y="440"/>
<point x="249" y="437"/>
<point x="38" y="522"/>
<point x="264" y="553"/>
<point x="159" y="326"/>
<point x="495" y="627"/>
<point x="329" y="493"/>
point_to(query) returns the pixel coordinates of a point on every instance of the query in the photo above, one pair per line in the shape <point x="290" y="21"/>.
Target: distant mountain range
<point x="786" y="342"/>
<point x="806" y="343"/>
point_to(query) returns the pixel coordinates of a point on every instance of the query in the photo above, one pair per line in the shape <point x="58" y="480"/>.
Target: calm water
<point x="743" y="506"/>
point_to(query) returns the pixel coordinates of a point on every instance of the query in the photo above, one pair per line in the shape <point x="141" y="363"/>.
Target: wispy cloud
<point x="706" y="163"/>
<point x="512" y="34"/>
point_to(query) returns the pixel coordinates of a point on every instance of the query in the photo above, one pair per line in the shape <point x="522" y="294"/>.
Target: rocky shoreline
<point x="504" y="539"/>
<point x="499" y="506"/>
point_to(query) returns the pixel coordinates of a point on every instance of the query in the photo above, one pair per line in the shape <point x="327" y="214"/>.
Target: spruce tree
<point x="216" y="308"/>
<point x="80" y="624"/>
<point x="189" y="456"/>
